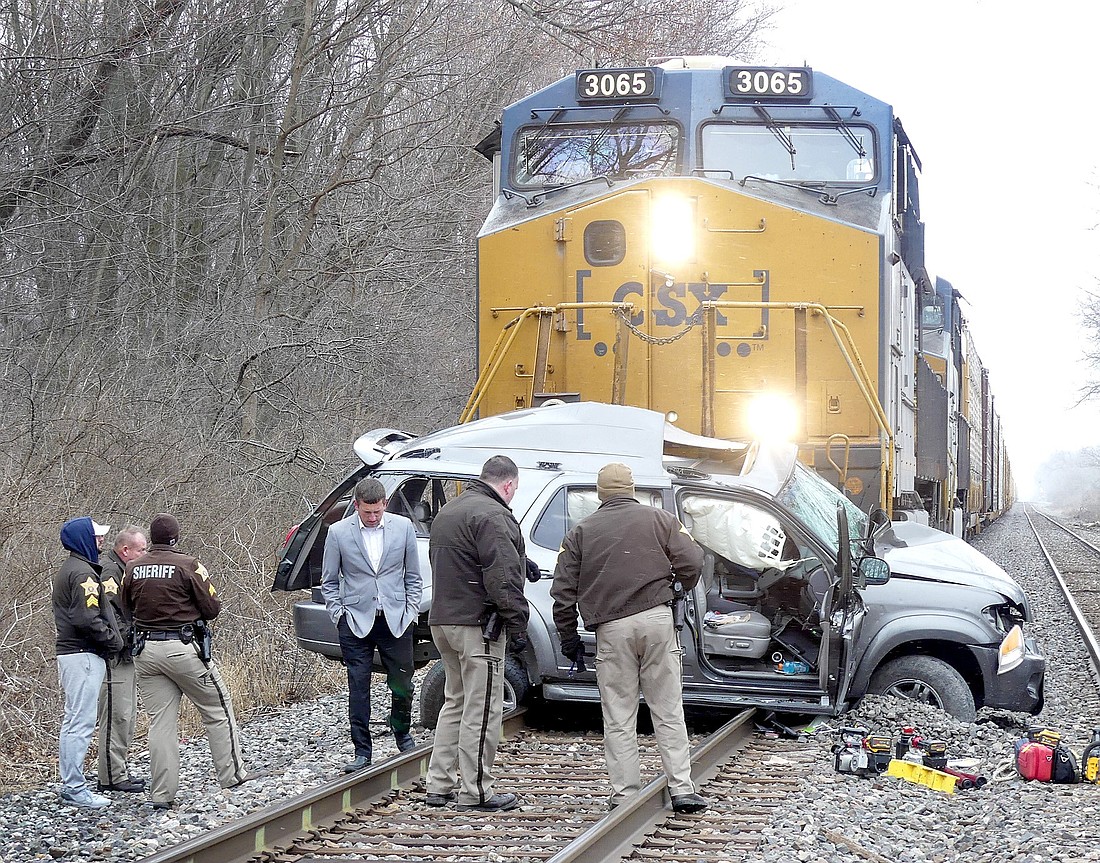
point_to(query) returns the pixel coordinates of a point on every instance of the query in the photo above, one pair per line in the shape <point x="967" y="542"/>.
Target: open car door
<point x="300" y="566"/>
<point x="853" y="575"/>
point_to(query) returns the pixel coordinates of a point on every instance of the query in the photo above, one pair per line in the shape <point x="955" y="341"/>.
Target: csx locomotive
<point x="741" y="247"/>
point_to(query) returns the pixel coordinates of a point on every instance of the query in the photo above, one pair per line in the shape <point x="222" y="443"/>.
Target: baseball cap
<point x="100" y="529"/>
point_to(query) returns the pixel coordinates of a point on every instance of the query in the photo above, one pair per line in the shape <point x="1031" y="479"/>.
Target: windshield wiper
<point x="780" y="135"/>
<point x="846" y="132"/>
<point x="814" y="187"/>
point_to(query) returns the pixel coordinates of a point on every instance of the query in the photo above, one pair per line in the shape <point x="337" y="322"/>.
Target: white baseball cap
<point x="100" y="529"/>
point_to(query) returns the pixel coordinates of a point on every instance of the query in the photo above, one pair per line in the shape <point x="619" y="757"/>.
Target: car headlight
<point x="1011" y="652"/>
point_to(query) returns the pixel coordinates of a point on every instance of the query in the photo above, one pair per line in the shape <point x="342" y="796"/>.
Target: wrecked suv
<point x="805" y="603"/>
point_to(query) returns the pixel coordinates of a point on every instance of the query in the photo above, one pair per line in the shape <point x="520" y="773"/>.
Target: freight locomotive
<point x="742" y="248"/>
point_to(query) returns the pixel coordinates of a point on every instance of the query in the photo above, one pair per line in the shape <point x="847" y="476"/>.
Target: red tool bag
<point x="1046" y="763"/>
<point x="1034" y="760"/>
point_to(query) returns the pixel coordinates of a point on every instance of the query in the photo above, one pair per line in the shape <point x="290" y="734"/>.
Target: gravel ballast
<point x="834" y="818"/>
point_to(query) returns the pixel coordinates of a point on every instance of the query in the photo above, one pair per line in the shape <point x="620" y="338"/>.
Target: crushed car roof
<point x="581" y="436"/>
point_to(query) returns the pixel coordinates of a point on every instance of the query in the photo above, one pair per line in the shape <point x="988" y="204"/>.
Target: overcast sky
<point x="999" y="100"/>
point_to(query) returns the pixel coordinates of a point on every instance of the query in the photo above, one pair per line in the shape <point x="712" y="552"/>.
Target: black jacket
<point x="111" y="579"/>
<point x="84" y="623"/>
<point x="165" y="589"/>
<point x="477" y="555"/>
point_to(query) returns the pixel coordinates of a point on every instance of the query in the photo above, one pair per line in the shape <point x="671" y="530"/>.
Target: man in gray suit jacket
<point x="370" y="579"/>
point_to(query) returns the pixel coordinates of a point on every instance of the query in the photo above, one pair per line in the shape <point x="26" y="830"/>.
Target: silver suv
<point x="786" y="616"/>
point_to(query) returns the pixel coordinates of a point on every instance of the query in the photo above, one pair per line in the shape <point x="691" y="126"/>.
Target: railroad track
<point x="380" y="815"/>
<point x="1075" y="562"/>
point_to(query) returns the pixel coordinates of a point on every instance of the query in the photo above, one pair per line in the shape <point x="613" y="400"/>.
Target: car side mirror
<point x="873" y="570"/>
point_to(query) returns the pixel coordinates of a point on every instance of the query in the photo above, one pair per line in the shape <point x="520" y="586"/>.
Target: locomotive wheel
<point x="927" y="680"/>
<point x="432" y="689"/>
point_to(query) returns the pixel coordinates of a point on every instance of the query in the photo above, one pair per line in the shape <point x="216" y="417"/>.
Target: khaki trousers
<point x="641" y="652"/>
<point x="167" y="671"/>
<point x="116" y="721"/>
<point x="468" y="730"/>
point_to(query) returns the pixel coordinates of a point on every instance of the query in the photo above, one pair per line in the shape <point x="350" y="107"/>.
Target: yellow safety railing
<point x="841" y="335"/>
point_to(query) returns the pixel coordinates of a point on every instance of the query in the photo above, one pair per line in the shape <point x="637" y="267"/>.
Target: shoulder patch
<point x="91" y="587"/>
<point x="200" y="570"/>
<point x="110" y="586"/>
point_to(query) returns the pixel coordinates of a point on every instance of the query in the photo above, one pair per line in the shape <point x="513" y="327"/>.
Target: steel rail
<point x="1083" y="625"/>
<point x="245" y="838"/>
<point x="615" y="837"/>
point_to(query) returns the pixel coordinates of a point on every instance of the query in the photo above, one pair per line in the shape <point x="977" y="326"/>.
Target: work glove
<point x="533" y="573"/>
<point x="570" y="646"/>
<point x="573" y="649"/>
<point x="517" y="643"/>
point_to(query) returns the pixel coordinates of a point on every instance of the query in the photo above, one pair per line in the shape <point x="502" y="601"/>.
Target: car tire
<point x="927" y="680"/>
<point x="433" y="687"/>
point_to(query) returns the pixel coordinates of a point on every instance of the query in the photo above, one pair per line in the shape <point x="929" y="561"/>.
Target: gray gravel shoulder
<point x="299" y="747"/>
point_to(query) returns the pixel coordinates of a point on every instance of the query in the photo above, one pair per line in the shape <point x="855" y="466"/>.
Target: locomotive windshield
<point x="790" y="152"/>
<point x="559" y="155"/>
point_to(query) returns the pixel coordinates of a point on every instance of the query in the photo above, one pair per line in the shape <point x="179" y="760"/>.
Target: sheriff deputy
<point x="172" y="601"/>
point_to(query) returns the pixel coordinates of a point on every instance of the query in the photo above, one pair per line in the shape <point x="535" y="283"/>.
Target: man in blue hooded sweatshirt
<point x="86" y="633"/>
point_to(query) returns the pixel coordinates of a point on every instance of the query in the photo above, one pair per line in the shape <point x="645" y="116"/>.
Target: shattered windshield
<point x="789" y="152"/>
<point x="813" y="500"/>
<point x="560" y="155"/>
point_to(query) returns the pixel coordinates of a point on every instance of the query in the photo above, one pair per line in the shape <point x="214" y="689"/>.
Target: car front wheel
<point x="927" y="680"/>
<point x="432" y="689"/>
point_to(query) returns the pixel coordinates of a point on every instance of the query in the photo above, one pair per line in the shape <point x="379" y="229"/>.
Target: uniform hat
<point x="614" y="480"/>
<point x="100" y="529"/>
<point x="164" y="529"/>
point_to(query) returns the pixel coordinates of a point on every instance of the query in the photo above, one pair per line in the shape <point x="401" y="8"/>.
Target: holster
<point x="679" y="605"/>
<point x="492" y="627"/>
<point x="139" y="642"/>
<point x="203" y="640"/>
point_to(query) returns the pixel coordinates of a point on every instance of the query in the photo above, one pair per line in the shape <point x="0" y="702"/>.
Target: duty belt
<point x="162" y="636"/>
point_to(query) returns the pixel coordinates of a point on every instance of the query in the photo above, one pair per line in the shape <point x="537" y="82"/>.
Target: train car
<point x="963" y="470"/>
<point x="739" y="247"/>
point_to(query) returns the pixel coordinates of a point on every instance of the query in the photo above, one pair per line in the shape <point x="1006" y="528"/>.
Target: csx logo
<point x="672" y="301"/>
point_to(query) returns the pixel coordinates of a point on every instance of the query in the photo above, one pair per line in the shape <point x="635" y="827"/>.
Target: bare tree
<point x="233" y="235"/>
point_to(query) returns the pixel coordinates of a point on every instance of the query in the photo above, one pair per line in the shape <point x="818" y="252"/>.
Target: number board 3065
<point x="770" y="82"/>
<point x="617" y="84"/>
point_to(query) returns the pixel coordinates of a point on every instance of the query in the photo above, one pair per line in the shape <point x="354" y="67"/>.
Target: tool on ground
<point x="1090" y="759"/>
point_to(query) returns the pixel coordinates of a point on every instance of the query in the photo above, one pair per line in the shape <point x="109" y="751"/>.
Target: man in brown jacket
<point x="171" y="599"/>
<point x="618" y="566"/>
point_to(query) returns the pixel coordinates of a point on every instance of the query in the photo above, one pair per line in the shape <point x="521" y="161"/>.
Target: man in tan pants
<point x="170" y="597"/>
<point x="478" y="568"/>
<point x="618" y="566"/>
<point x="118" y="695"/>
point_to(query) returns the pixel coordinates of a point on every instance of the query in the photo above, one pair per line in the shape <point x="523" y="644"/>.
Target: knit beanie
<point x="614" y="480"/>
<point x="164" y="529"/>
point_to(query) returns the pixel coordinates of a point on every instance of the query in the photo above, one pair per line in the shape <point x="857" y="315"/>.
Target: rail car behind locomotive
<point x="731" y="245"/>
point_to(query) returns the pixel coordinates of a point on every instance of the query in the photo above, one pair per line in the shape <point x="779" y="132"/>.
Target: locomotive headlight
<point x="772" y="417"/>
<point x="672" y="229"/>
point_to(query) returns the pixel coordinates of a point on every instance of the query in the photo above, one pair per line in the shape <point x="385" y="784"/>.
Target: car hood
<point x="916" y="551"/>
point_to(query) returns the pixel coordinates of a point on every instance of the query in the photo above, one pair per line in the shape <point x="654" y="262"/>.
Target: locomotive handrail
<point x="708" y="309"/>
<point x="508" y="336"/>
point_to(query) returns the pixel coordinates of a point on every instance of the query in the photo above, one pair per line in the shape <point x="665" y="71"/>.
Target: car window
<point x="752" y="556"/>
<point x="568" y="506"/>
<point x="420" y="498"/>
